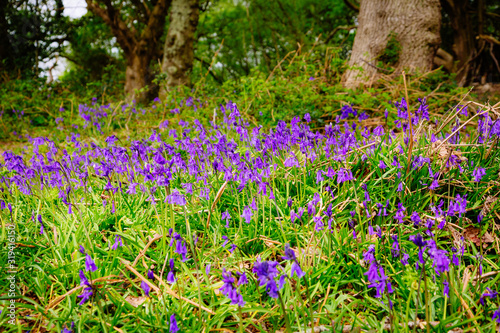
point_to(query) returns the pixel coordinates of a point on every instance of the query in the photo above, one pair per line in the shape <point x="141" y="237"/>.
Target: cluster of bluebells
<point x="178" y="167"/>
<point x="90" y="267"/>
<point x="229" y="288"/>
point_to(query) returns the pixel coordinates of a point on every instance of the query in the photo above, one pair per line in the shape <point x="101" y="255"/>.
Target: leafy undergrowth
<point x="364" y="225"/>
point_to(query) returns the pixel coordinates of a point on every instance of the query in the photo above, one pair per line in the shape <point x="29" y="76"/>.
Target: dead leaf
<point x="444" y="152"/>
<point x="457" y="238"/>
<point x="135" y="301"/>
<point x="490" y="200"/>
<point x="472" y="234"/>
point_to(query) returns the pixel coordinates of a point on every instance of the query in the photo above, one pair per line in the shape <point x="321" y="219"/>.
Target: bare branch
<point x="353" y="6"/>
<point x="125" y="36"/>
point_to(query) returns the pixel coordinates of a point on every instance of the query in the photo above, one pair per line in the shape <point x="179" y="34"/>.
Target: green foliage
<point x="91" y="53"/>
<point x="390" y="56"/>
<point x="31" y="33"/>
<point x="257" y="34"/>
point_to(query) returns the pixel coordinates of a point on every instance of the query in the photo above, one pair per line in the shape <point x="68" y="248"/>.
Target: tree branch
<point x="125" y="36"/>
<point x="352" y="6"/>
<point x="152" y="32"/>
<point x="207" y="65"/>
<point x="341" y="27"/>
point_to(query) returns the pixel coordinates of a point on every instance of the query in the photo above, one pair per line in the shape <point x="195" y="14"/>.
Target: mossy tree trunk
<point x="178" y="52"/>
<point x="414" y="23"/>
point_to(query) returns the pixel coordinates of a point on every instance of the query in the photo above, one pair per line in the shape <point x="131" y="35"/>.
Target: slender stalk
<point x="409" y="124"/>
<point x="310" y="302"/>
<point x="287" y="322"/>
<point x="241" y="319"/>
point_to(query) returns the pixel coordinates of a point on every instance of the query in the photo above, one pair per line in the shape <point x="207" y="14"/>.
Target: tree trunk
<point x="136" y="76"/>
<point x="140" y="46"/>
<point x="463" y="36"/>
<point x="178" y="53"/>
<point x="415" y="25"/>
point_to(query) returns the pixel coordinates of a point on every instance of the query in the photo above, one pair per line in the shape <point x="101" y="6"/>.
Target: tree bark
<point x="463" y="37"/>
<point x="178" y="53"/>
<point x="415" y="25"/>
<point x="139" y="47"/>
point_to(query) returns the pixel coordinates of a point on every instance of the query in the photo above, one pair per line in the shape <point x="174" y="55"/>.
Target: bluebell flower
<point x="83" y="279"/>
<point x="243" y="279"/>
<point x="318" y="223"/>
<point x="90" y="265"/>
<point x="344" y="175"/>
<point x="266" y="271"/>
<point x="118" y="242"/>
<point x="496" y="316"/>
<point x="171" y="272"/>
<point x="395" y="246"/>
<point x="173" y="325"/>
<point x="489" y="293"/>
<point x="290" y="256"/>
<point x="319" y="176"/>
<point x="226" y="240"/>
<point x="225" y="216"/>
<point x="85" y="296"/>
<point x="145" y="287"/>
<point x="382" y="165"/>
<point x="247" y="214"/>
<point x="478" y="174"/>
<point x="404" y="259"/>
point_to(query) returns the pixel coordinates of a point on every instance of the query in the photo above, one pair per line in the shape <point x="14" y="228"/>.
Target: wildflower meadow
<point x="210" y="222"/>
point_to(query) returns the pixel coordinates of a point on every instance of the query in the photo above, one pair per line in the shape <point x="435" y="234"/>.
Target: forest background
<point x="268" y="56"/>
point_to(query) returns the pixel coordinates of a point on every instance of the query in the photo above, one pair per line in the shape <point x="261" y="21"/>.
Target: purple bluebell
<point x="247" y="214"/>
<point x="496" y="316"/>
<point x="145" y="287"/>
<point x="41" y="224"/>
<point x="318" y="223"/>
<point x="395" y="246"/>
<point x="382" y="283"/>
<point x="478" y="174"/>
<point x="404" y="259"/>
<point x="225" y="216"/>
<point x="90" y="265"/>
<point x="173" y="328"/>
<point x="171" y="272"/>
<point x="226" y="240"/>
<point x="266" y="271"/>
<point x="290" y="256"/>
<point x="85" y="296"/>
<point x="415" y="218"/>
<point x="344" y="175"/>
<point x="243" y="279"/>
<point x="400" y="215"/>
<point x="319" y="176"/>
<point x="118" y="242"/>
<point x="83" y="279"/>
